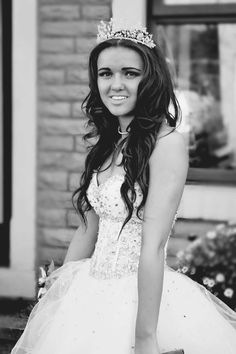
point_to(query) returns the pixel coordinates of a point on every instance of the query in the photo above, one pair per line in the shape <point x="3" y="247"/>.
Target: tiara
<point x="106" y="31"/>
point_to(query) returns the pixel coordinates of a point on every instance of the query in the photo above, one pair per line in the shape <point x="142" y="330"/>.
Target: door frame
<point x="18" y="279"/>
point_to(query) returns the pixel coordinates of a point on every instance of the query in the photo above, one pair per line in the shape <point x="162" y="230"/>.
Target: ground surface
<point x="13" y="318"/>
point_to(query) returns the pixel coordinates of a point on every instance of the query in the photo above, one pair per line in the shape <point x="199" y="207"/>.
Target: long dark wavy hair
<point x="154" y="98"/>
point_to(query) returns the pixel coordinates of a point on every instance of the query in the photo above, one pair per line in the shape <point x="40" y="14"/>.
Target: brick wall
<point x="66" y="33"/>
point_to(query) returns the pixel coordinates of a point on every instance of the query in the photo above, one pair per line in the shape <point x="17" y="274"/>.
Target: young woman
<point x="114" y="294"/>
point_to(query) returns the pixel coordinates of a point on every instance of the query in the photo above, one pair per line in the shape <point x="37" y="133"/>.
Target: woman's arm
<point x="168" y="170"/>
<point x="83" y="242"/>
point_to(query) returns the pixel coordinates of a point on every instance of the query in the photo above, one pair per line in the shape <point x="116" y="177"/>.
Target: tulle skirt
<point x="83" y="315"/>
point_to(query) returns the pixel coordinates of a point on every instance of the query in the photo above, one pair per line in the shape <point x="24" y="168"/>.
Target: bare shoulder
<point x="170" y="152"/>
<point x="171" y="141"/>
<point x="165" y="130"/>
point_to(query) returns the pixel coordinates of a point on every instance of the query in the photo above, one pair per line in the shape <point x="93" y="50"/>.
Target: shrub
<point x="211" y="261"/>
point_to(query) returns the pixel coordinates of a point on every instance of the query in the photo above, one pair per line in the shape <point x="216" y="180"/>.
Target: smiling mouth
<point x="118" y="98"/>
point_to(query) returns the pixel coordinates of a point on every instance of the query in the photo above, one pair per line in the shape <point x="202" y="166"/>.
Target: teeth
<point x="118" y="97"/>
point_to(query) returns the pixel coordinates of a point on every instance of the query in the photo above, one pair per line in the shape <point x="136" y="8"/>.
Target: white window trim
<point x="19" y="278"/>
<point x="132" y="11"/>
<point x="208" y="202"/>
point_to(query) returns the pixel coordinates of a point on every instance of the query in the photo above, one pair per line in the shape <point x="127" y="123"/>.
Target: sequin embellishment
<point x="114" y="257"/>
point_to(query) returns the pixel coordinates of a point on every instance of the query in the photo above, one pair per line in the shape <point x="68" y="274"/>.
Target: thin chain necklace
<point x="118" y="144"/>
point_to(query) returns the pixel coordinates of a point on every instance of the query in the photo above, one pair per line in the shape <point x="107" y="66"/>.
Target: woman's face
<point x="120" y="71"/>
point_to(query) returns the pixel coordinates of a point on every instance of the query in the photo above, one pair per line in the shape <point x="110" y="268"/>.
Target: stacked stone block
<point x="66" y="33"/>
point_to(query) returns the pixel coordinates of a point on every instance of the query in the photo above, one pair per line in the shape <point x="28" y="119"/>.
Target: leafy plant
<point x="211" y="261"/>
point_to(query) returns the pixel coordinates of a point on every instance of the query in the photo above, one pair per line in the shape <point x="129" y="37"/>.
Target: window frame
<point x="209" y="13"/>
<point x="160" y="14"/>
<point x="6" y="13"/>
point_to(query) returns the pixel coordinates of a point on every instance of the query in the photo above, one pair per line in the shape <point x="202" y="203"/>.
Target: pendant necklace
<point x="122" y="133"/>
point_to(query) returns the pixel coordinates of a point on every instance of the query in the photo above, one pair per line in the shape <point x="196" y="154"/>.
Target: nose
<point x="117" y="83"/>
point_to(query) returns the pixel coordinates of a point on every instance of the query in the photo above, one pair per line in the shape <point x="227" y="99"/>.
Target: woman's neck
<point x="124" y="123"/>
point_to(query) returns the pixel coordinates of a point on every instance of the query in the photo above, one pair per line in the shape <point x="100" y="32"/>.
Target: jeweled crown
<point x="140" y="34"/>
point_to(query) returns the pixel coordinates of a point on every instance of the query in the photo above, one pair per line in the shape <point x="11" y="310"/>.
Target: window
<point x="197" y="2"/>
<point x="5" y="129"/>
<point x="200" y="48"/>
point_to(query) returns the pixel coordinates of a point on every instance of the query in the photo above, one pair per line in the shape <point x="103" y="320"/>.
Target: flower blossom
<point x="180" y="254"/>
<point x="43" y="277"/>
<point x="205" y="281"/>
<point x="184" y="269"/>
<point x="211" y="283"/>
<point x="220" y="278"/>
<point x="211" y="235"/>
<point x="228" y="292"/>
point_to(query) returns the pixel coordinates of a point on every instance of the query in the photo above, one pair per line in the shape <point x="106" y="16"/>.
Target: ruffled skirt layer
<point x="83" y="315"/>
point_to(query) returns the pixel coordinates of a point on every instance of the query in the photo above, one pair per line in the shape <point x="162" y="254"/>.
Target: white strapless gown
<point x="91" y="307"/>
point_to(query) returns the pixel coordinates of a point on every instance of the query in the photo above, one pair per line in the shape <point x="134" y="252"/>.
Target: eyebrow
<point x="125" y="68"/>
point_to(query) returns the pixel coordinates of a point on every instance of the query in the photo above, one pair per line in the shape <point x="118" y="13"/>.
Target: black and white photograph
<point x="118" y="177"/>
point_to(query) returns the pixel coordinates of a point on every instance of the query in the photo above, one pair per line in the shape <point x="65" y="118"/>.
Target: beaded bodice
<point x="114" y="256"/>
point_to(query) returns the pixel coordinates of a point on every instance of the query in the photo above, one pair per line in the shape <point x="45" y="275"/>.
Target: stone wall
<point x="66" y="33"/>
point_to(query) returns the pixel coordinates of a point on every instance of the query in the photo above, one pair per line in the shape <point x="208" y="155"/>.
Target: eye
<point x="131" y="74"/>
<point x="104" y="74"/>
